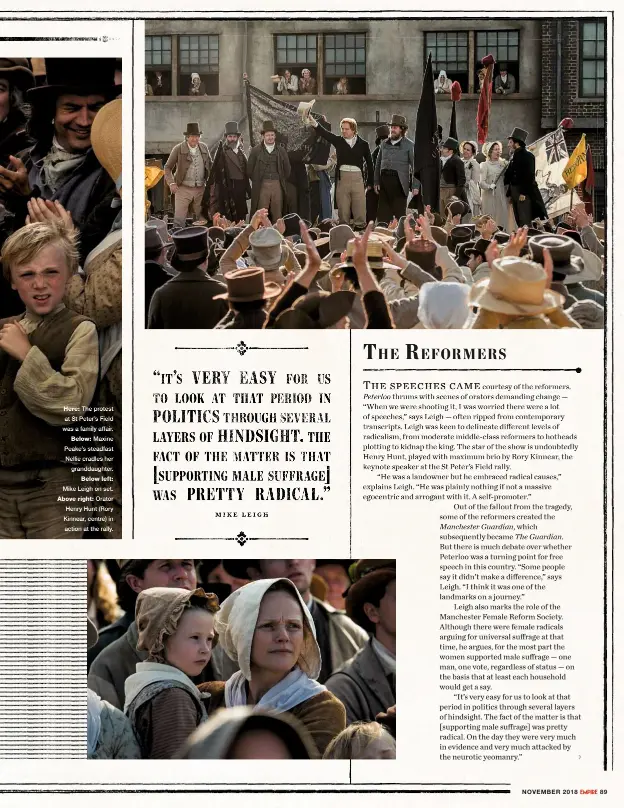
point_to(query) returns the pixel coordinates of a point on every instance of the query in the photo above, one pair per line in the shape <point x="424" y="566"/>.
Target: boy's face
<point x="41" y="283"/>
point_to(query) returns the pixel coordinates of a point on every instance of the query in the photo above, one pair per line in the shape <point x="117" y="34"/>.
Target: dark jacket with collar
<point x="454" y="172"/>
<point x="108" y="635"/>
<point x="186" y="301"/>
<point x="256" y="170"/>
<point x="362" y="686"/>
<point x="247" y="319"/>
<point x="155" y="277"/>
<point x="400" y="158"/>
<point x="359" y="155"/>
<point x="180" y="160"/>
<point x="520" y="177"/>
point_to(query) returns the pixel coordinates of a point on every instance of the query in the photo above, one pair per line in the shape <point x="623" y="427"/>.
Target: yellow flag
<point x="576" y="168"/>
<point x="153" y="176"/>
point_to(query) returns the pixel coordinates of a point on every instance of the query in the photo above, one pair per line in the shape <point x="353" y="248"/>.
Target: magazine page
<point x="204" y="189"/>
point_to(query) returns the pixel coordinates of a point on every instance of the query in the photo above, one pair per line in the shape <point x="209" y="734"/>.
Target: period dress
<point x="473" y="187"/>
<point x="494" y="202"/>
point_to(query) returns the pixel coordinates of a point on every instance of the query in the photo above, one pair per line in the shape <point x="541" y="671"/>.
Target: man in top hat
<point x="520" y="178"/>
<point x="61" y="165"/>
<point x="394" y="171"/>
<point x="233" y="182"/>
<point x="155" y="261"/>
<point x="190" y="299"/>
<point x="504" y="83"/>
<point x="366" y="685"/>
<point x="248" y="295"/>
<point x="452" y="173"/>
<point x="16" y="78"/>
<point x="268" y="168"/>
<point x="186" y="173"/>
<point x="354" y="170"/>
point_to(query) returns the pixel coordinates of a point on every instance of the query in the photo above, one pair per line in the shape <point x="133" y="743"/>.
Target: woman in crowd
<point x="242" y="734"/>
<point x="473" y="176"/>
<point x="493" y="198"/>
<point x="266" y="628"/>
<point x="176" y="629"/>
<point x="362" y="741"/>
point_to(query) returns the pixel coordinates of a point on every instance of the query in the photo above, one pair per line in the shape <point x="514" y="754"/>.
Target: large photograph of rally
<point x="241" y="659"/>
<point x="431" y="173"/>
<point x="60" y="297"/>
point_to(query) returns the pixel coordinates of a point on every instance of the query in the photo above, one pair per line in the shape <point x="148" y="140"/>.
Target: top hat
<point x="439" y="235"/>
<point x="18" y="72"/>
<point x="192" y="128"/>
<point x="190" y="247"/>
<point x="461" y="253"/>
<point x="153" y="239"/>
<point x="291" y="222"/>
<point x="317" y="310"/>
<point x="80" y="76"/>
<point x="247" y="285"/>
<point x="561" y="249"/>
<point x="451" y="143"/>
<point x="518" y="134"/>
<point x="457" y="207"/>
<point x="515" y="286"/>
<point x="339" y="237"/>
<point x="232" y="128"/>
<point x="161" y="226"/>
<point x="367" y="575"/>
<point x="478" y="248"/>
<point x="268" y="126"/>
<point x="501" y="237"/>
<point x="458" y="234"/>
<point x="422" y="252"/>
<point x="398" y="120"/>
<point x="106" y="137"/>
<point x="382" y="132"/>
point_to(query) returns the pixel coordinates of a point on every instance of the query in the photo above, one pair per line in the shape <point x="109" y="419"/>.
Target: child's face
<point x="41" y="283"/>
<point x="190" y="648"/>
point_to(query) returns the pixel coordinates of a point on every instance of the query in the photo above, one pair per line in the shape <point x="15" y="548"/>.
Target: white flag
<point x="551" y="157"/>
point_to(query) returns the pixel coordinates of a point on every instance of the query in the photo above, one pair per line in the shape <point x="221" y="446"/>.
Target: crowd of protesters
<point x="487" y="257"/>
<point x="242" y="659"/>
<point x="60" y="286"/>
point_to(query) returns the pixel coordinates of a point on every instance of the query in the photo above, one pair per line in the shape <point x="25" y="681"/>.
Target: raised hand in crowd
<point x="489" y="228"/>
<point x="579" y="217"/>
<point x="394" y="257"/>
<point x="366" y="279"/>
<point x="259" y="219"/>
<point x="337" y="278"/>
<point x="425" y="228"/>
<point x="280" y="226"/>
<point x="15" y="178"/>
<point x="45" y="210"/>
<point x="429" y="214"/>
<point x="548" y="266"/>
<point x="14" y="341"/>
<point x="517" y="242"/>
<point x="492" y="252"/>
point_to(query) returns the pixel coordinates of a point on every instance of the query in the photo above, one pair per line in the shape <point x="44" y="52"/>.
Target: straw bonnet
<point x="473" y="143"/>
<point x="485" y="149"/>
<point x="106" y="139"/>
<point x="515" y="286"/>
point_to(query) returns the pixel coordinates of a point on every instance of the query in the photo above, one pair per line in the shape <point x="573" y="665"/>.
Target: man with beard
<point x="269" y="169"/>
<point x="339" y="638"/>
<point x="186" y="172"/>
<point x="520" y="178"/>
<point x="229" y="186"/>
<point x="394" y="171"/>
<point x="61" y="165"/>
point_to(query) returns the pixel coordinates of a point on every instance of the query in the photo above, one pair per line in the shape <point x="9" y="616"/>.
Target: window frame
<point x="513" y="64"/>
<point x="435" y="62"/>
<point x="593" y="59"/>
<point x="208" y="75"/>
<point x="334" y="77"/>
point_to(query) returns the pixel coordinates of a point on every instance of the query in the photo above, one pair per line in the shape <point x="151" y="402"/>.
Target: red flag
<point x="485" y="100"/>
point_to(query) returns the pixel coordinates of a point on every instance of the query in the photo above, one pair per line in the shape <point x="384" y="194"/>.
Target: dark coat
<point x="108" y="635"/>
<point x="155" y="277"/>
<point x="520" y="177"/>
<point x="255" y="172"/>
<point x="255" y="318"/>
<point x="454" y="172"/>
<point x="221" y="195"/>
<point x="186" y="301"/>
<point x="362" y="686"/>
<point x="359" y="155"/>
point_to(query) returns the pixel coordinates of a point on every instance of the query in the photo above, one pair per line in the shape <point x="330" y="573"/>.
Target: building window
<point x="449" y="52"/>
<point x="158" y="65"/>
<point x="294" y="53"/>
<point x="345" y="64"/>
<point x="504" y="47"/>
<point x="592" y="59"/>
<point x="199" y="54"/>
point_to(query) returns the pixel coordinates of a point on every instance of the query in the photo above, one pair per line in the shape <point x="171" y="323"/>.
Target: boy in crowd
<point x="48" y="373"/>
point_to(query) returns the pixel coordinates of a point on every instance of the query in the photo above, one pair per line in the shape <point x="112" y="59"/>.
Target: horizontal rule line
<point x="230" y="538"/>
<point x="475" y="370"/>
<point x="182" y="348"/>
